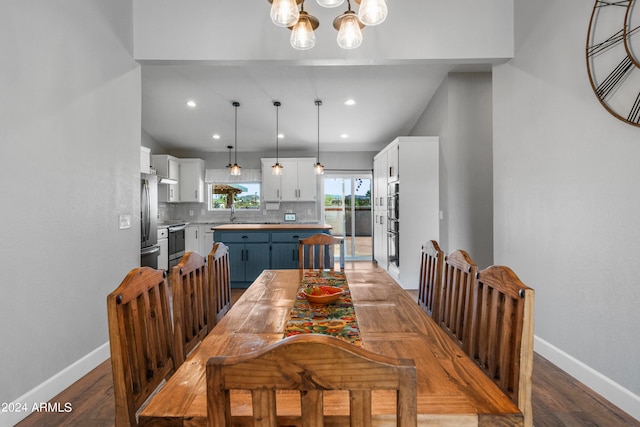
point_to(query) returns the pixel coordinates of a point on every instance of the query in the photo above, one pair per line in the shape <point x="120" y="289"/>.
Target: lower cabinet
<point x="252" y="252"/>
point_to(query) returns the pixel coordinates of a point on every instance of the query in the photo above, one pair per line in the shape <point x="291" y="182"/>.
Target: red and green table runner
<point x="337" y="318"/>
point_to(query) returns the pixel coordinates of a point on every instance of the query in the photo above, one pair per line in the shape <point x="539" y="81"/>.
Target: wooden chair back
<point x="310" y="364"/>
<point x="455" y="310"/>
<point x="219" y="281"/>
<point x="140" y="338"/>
<point x="430" y="281"/>
<point x="317" y="252"/>
<point x="189" y="285"/>
<point x="501" y="338"/>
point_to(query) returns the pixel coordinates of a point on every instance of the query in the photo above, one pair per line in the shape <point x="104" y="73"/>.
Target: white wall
<point x="460" y="113"/>
<point x="566" y="201"/>
<point x="208" y="30"/>
<point x="70" y="135"/>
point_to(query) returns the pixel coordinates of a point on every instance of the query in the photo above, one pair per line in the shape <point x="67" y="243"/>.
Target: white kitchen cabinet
<point x="419" y="205"/>
<point x="167" y="167"/>
<point x="163" y="242"/>
<point x="380" y="210"/>
<point x="270" y="182"/>
<point x="296" y="184"/>
<point x="192" y="180"/>
<point x="145" y="159"/>
<point x="192" y="236"/>
<point x="393" y="162"/>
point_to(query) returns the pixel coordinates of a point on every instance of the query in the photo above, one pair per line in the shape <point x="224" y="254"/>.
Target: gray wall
<point x="460" y="114"/>
<point x="70" y="135"/>
<point x="566" y="198"/>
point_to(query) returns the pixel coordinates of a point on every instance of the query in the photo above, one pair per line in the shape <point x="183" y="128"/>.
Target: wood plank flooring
<point x="558" y="399"/>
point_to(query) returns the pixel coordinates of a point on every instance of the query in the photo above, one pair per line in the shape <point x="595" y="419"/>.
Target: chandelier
<point x="285" y="13"/>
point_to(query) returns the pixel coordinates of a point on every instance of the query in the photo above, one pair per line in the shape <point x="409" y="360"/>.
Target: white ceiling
<point x="389" y="100"/>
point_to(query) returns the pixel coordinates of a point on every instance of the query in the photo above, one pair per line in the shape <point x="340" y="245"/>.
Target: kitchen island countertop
<point x="278" y="226"/>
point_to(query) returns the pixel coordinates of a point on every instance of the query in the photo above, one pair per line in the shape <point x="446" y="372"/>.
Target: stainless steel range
<point x="176" y="231"/>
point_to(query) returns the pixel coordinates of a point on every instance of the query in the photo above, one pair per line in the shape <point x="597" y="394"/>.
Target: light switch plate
<point x="290" y="217"/>
<point x="124" y="221"/>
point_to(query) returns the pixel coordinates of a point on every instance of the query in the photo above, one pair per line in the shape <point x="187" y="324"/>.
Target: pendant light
<point x="372" y="12"/>
<point x="349" y="29"/>
<point x="302" y="33"/>
<point x="330" y="3"/>
<point x="229" y="147"/>
<point x="284" y="13"/>
<point x="236" y="169"/>
<point x="277" y="168"/>
<point x="318" y="168"/>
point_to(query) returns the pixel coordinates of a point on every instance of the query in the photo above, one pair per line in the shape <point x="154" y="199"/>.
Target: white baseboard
<point x="607" y="388"/>
<point x="23" y="406"/>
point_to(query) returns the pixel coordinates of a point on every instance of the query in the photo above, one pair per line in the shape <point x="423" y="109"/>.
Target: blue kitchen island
<point x="257" y="247"/>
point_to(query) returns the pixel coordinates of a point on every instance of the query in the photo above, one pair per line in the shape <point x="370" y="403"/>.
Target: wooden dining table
<point x="452" y="390"/>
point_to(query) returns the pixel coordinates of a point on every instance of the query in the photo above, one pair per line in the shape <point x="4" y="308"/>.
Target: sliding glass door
<point x="347" y="207"/>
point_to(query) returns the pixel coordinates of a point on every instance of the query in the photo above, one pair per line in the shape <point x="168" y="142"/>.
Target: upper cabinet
<point x="167" y="167"/>
<point x="145" y="159"/>
<point x="393" y="162"/>
<point x="186" y="177"/>
<point x="192" y="180"/>
<point x="296" y="184"/>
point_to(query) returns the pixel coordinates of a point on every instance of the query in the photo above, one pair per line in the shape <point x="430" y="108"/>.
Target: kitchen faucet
<point x="233" y="212"/>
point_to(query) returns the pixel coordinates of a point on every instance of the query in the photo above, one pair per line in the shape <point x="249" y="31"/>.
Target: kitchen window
<point x="243" y="195"/>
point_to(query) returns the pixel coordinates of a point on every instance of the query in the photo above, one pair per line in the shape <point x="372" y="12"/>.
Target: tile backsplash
<point x="306" y="212"/>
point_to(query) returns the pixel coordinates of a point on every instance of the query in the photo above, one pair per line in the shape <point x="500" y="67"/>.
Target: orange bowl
<point x="329" y="294"/>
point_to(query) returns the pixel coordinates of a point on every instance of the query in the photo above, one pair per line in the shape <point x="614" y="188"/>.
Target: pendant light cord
<point x="318" y="103"/>
<point x="236" y="104"/>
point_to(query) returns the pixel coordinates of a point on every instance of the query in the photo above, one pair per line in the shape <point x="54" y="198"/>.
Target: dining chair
<point x="454" y="311"/>
<point x="430" y="280"/>
<point x="219" y="282"/>
<point x="140" y="339"/>
<point x="317" y="252"/>
<point x="310" y="364"/>
<point x="191" y="317"/>
<point x="501" y="333"/>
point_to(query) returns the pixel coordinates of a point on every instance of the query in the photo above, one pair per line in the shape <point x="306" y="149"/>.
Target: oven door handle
<point x="150" y="250"/>
<point x="177" y="228"/>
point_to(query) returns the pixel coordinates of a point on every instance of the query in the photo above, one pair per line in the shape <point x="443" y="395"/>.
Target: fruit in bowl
<point x="322" y="294"/>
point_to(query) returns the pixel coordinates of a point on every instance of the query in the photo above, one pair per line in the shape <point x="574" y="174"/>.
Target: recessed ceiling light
<point x="216" y="136"/>
<point x="350" y="102"/>
<point x="344" y="136"/>
<point x="191" y="103"/>
<point x="280" y="135"/>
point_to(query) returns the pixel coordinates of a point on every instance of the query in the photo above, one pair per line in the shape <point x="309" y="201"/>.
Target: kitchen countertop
<point x="279" y="226"/>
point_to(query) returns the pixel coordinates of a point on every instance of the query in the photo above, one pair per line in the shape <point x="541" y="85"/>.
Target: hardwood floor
<point x="558" y="399"/>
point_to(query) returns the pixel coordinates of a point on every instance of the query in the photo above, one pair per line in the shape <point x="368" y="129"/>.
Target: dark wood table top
<point x="452" y="390"/>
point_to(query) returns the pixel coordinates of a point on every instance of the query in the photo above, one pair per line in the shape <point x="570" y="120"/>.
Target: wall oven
<point x="393" y="224"/>
<point x="176" y="244"/>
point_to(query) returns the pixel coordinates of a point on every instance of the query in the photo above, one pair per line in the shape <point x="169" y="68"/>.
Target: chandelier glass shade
<point x="349" y="30"/>
<point x="284" y="13"/>
<point x="302" y="33"/>
<point x="330" y="3"/>
<point x="372" y="12"/>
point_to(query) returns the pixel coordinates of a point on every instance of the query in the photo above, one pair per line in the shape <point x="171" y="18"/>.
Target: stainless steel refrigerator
<point x="149" y="248"/>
